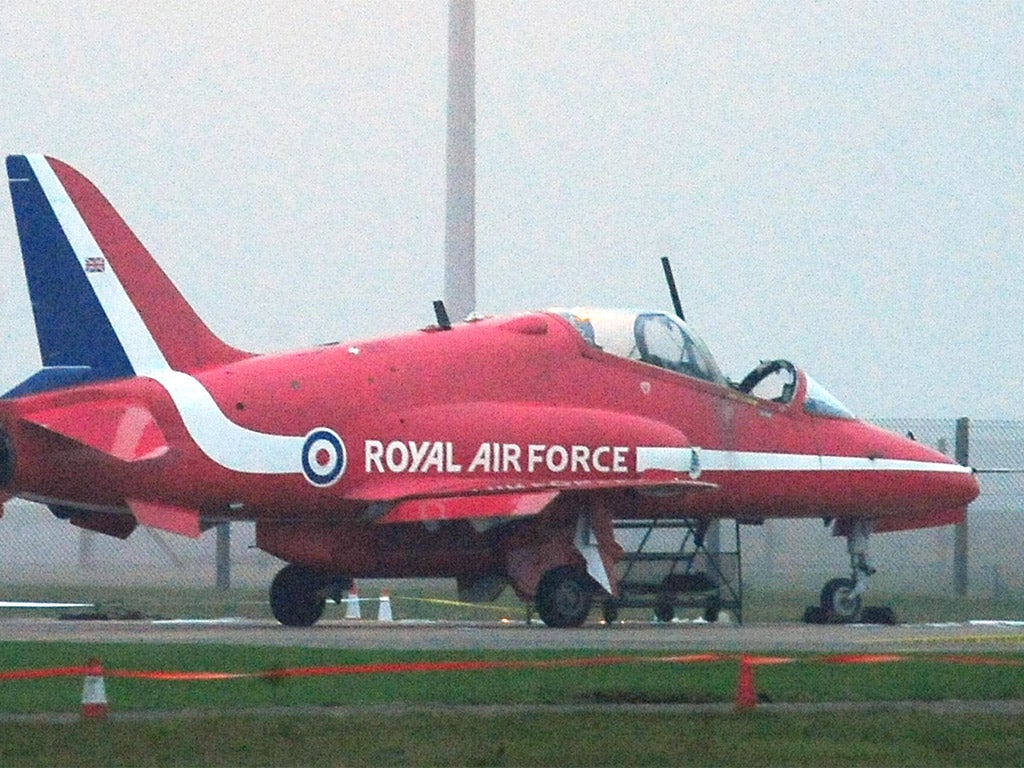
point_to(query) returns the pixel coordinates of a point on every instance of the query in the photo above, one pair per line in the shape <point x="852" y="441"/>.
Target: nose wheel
<point x="840" y="601"/>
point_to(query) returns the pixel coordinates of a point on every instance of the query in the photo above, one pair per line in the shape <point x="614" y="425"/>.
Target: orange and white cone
<point x="384" y="611"/>
<point x="352" y="604"/>
<point x="746" y="695"/>
<point x="94" y="692"/>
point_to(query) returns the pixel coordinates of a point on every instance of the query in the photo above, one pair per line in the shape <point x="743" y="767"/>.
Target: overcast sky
<point x="836" y="183"/>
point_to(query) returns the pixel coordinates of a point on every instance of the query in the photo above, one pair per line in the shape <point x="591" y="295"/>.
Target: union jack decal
<point x="95" y="264"/>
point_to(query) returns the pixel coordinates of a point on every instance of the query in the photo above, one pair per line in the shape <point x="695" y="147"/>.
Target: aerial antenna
<point x="442" y="316"/>
<point x="676" y="304"/>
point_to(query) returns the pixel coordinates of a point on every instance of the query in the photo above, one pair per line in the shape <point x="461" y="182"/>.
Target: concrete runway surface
<point x="973" y="637"/>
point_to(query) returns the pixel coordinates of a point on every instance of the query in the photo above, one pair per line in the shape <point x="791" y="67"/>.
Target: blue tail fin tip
<point x="72" y="328"/>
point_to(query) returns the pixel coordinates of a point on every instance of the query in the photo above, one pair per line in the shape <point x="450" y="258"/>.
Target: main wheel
<point x="664" y="611"/>
<point x="878" y="614"/>
<point x="563" y="597"/>
<point x="712" y="609"/>
<point x="296" y="596"/>
<point x="838" y="602"/>
<point x="610" y="611"/>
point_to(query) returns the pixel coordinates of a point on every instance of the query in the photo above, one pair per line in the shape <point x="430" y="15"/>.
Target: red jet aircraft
<point x="494" y="451"/>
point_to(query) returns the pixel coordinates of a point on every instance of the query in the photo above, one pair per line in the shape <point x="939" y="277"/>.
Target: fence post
<point x="962" y="455"/>
<point x="86" y="540"/>
<point x="223" y="556"/>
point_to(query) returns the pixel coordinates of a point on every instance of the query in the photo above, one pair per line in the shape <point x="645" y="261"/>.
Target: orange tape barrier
<point x="474" y="666"/>
<point x="864" y="658"/>
<point x="35" y="674"/>
<point x="359" y="669"/>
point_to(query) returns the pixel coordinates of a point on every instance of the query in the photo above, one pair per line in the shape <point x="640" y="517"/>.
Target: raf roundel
<point x="323" y="457"/>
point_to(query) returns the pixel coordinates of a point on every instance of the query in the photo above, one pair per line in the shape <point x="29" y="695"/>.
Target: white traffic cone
<point x="352" y="604"/>
<point x="94" y="692"/>
<point x="384" y="611"/>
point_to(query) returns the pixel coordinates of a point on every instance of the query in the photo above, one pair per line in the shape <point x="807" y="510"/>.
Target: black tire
<point x="837" y="604"/>
<point x="712" y="609"/>
<point x="336" y="588"/>
<point x="610" y="611"/>
<point x="563" y="597"/>
<point x="878" y="614"/>
<point x="814" y="615"/>
<point x="296" y="598"/>
<point x="664" y="612"/>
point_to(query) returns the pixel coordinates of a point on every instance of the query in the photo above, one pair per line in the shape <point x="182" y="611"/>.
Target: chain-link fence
<point x="35" y="547"/>
<point x="804" y="552"/>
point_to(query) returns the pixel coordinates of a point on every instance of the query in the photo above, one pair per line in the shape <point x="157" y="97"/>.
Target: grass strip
<point x="528" y="739"/>
<point x="521" y="677"/>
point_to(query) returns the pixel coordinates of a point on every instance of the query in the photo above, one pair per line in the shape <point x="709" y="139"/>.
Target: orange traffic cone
<point x="746" y="696"/>
<point x="384" y="611"/>
<point x="94" y="692"/>
<point x="352" y="604"/>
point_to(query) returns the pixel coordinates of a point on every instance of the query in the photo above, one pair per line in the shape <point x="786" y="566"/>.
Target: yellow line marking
<point x="457" y="603"/>
<point x="1014" y="638"/>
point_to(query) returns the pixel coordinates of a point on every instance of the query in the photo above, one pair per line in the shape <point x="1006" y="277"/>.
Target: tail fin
<point x="103" y="308"/>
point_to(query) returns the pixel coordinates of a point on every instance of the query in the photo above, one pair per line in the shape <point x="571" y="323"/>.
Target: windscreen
<point x="823" y="403"/>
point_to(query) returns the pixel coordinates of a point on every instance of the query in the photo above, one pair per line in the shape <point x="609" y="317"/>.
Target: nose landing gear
<point x="840" y="601"/>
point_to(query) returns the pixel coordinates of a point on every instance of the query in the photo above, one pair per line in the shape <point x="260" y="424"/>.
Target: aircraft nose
<point x="950" y="483"/>
<point x="958" y="487"/>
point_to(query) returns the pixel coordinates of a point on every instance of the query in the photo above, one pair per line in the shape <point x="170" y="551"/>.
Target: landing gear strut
<point x="840" y="601"/>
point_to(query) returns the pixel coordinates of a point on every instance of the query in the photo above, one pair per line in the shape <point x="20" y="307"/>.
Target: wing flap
<point x="422" y="503"/>
<point x="468" y="507"/>
<point x="167" y="517"/>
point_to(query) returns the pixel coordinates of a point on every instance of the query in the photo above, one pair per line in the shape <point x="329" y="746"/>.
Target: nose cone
<point x="892" y="478"/>
<point x="923" y="479"/>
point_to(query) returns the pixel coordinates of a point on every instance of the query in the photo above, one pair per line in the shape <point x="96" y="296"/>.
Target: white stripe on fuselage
<point x="232" y="446"/>
<point x="224" y="442"/>
<point x="710" y="460"/>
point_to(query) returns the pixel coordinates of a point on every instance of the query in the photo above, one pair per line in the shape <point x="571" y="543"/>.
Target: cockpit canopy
<point x="651" y="337"/>
<point x="664" y="340"/>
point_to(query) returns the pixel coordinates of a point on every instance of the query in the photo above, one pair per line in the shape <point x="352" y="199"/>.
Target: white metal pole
<point x="460" y="224"/>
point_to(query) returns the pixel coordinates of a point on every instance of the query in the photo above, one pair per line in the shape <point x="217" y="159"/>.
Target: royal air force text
<point x="441" y="457"/>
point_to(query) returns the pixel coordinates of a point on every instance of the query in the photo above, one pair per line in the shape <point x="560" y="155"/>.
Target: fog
<point x="836" y="183"/>
<point x="839" y="184"/>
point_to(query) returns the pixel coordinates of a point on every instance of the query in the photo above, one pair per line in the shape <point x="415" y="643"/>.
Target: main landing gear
<point x="840" y="601"/>
<point x="298" y="594"/>
<point x="564" y="596"/>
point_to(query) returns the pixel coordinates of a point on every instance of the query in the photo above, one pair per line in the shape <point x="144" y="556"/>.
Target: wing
<point x="413" y="501"/>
